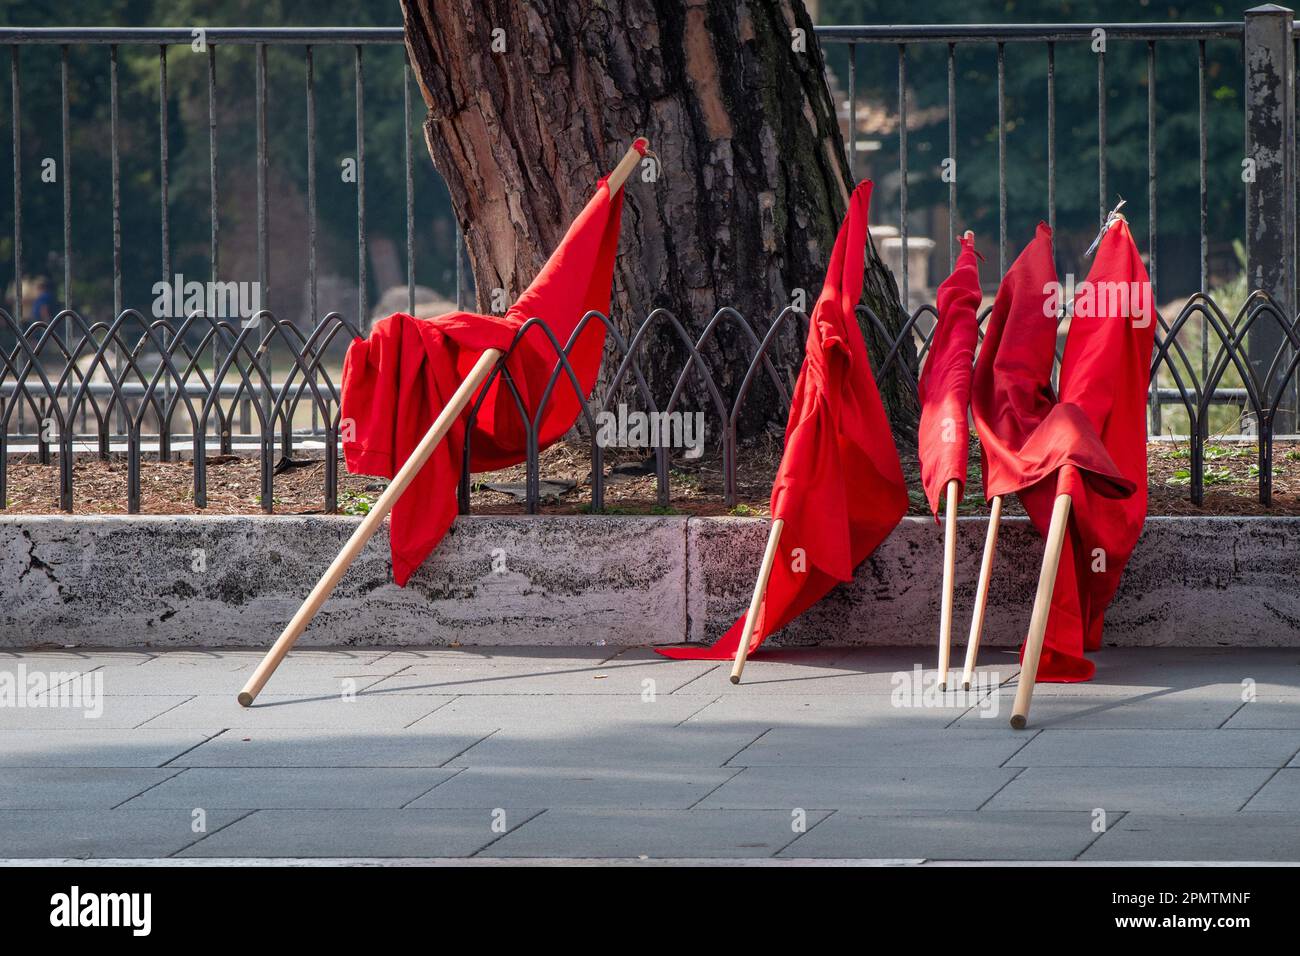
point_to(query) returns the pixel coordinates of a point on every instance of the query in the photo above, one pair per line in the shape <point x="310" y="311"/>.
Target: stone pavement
<point x="615" y="753"/>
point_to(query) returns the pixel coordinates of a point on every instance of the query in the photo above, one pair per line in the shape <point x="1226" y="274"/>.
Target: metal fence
<point x="142" y="385"/>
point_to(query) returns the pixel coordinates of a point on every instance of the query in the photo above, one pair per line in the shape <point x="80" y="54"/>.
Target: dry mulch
<point x="234" y="487"/>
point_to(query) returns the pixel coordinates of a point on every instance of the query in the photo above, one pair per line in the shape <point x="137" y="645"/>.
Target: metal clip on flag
<point x="405" y="475"/>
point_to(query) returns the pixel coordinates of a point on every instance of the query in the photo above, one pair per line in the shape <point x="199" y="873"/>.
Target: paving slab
<point x="860" y="788"/>
<point x="162" y="679"/>
<point x="1281" y="793"/>
<point x="96" y="747"/>
<point x="291" y="788"/>
<point x="906" y="747"/>
<point x="698" y="834"/>
<point x="345" y="748"/>
<point x="550" y="678"/>
<point x="93" y="711"/>
<point x="1200" y="708"/>
<point x="1199" y="790"/>
<point x="359" y="833"/>
<point x="568" y="714"/>
<point x="1267" y="712"/>
<point x="625" y="786"/>
<point x="1158" y="748"/>
<point x="365" y="711"/>
<point x="848" y="711"/>
<point x="589" y="746"/>
<point x="75" y="788"/>
<point x="1271" y="837"/>
<point x="947" y="836"/>
<point x="115" y="834"/>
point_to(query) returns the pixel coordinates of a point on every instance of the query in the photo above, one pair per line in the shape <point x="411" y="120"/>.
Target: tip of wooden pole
<point x="965" y="685"/>
<point x="245" y="699"/>
<point x="735" y="678"/>
<point x="1018" y="721"/>
<point x="943" y="686"/>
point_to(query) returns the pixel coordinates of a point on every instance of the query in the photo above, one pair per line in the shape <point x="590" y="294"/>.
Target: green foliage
<point x="187" y="111"/>
<point x="1177" y="135"/>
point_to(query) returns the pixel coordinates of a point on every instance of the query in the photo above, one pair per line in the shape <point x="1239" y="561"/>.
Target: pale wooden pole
<point x="982" y="592"/>
<point x="949" y="572"/>
<point x="405" y="475"/>
<point x="369" y="525"/>
<point x="760" y="588"/>
<point x="1042" y="607"/>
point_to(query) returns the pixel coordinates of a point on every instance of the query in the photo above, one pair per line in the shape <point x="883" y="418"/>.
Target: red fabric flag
<point x="1105" y="374"/>
<point x="1031" y="442"/>
<point x="840" y="487"/>
<point x="943" y="438"/>
<point x="397" y="381"/>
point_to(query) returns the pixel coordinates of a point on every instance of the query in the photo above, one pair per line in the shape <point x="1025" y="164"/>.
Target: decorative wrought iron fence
<point x="172" y="387"/>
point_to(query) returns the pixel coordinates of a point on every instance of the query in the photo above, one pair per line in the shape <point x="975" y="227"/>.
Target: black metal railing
<point x="61" y="397"/>
<point x="76" y="384"/>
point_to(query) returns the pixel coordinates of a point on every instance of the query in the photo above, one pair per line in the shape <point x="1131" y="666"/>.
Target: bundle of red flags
<point x="397" y="381"/>
<point x="1090" y="443"/>
<point x="840" y="487"/>
<point x="943" y="440"/>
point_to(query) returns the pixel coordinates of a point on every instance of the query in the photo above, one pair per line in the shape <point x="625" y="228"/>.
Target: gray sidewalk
<point x="616" y="753"/>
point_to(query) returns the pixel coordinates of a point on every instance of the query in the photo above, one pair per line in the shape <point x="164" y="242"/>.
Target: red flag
<point x="397" y="381"/>
<point x="840" y="487"/>
<point x="943" y="438"/>
<point x="1105" y="374"/>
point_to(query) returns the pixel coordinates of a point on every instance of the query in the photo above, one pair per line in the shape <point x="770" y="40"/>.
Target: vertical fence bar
<point x="1154" y="388"/>
<point x="853" y="113"/>
<point x="117" y="235"/>
<point x="1051" y="141"/>
<point x="902" y="173"/>
<point x="362" y="319"/>
<point x="311" y="186"/>
<point x="16" y="94"/>
<point x="1002" y="159"/>
<point x="266" y="327"/>
<point x="952" y="156"/>
<point x="1270" y="219"/>
<point x="214" y="221"/>
<point x="66" y="129"/>
<point x="164" y="432"/>
<point x="310" y="66"/>
<point x="1102" y="202"/>
<point x="410" y="189"/>
<point x="1205" y="207"/>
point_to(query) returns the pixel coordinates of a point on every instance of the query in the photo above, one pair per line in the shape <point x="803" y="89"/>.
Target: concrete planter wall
<point x="183" y="581"/>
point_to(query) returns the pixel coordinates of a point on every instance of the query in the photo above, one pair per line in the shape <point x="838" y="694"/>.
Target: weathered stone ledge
<point x="123" y="581"/>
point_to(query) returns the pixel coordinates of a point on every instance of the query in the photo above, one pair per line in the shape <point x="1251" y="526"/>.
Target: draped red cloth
<point x="397" y="381"/>
<point x="840" y="487"/>
<point x="1105" y="373"/>
<point x="943" y="440"/>
<point x="1032" y="444"/>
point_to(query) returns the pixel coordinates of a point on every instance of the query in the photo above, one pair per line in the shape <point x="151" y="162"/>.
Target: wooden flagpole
<point x="982" y="592"/>
<point x="760" y="588"/>
<point x="405" y="475"/>
<point x="1042" y="606"/>
<point x="949" y="572"/>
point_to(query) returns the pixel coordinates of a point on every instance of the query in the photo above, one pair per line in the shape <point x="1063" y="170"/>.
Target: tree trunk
<point x="753" y="179"/>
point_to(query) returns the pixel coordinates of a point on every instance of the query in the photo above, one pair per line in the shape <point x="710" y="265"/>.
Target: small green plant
<point x="352" y="503"/>
<point x="742" y="511"/>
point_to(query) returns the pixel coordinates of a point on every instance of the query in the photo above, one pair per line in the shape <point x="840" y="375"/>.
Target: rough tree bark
<point x="754" y="177"/>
